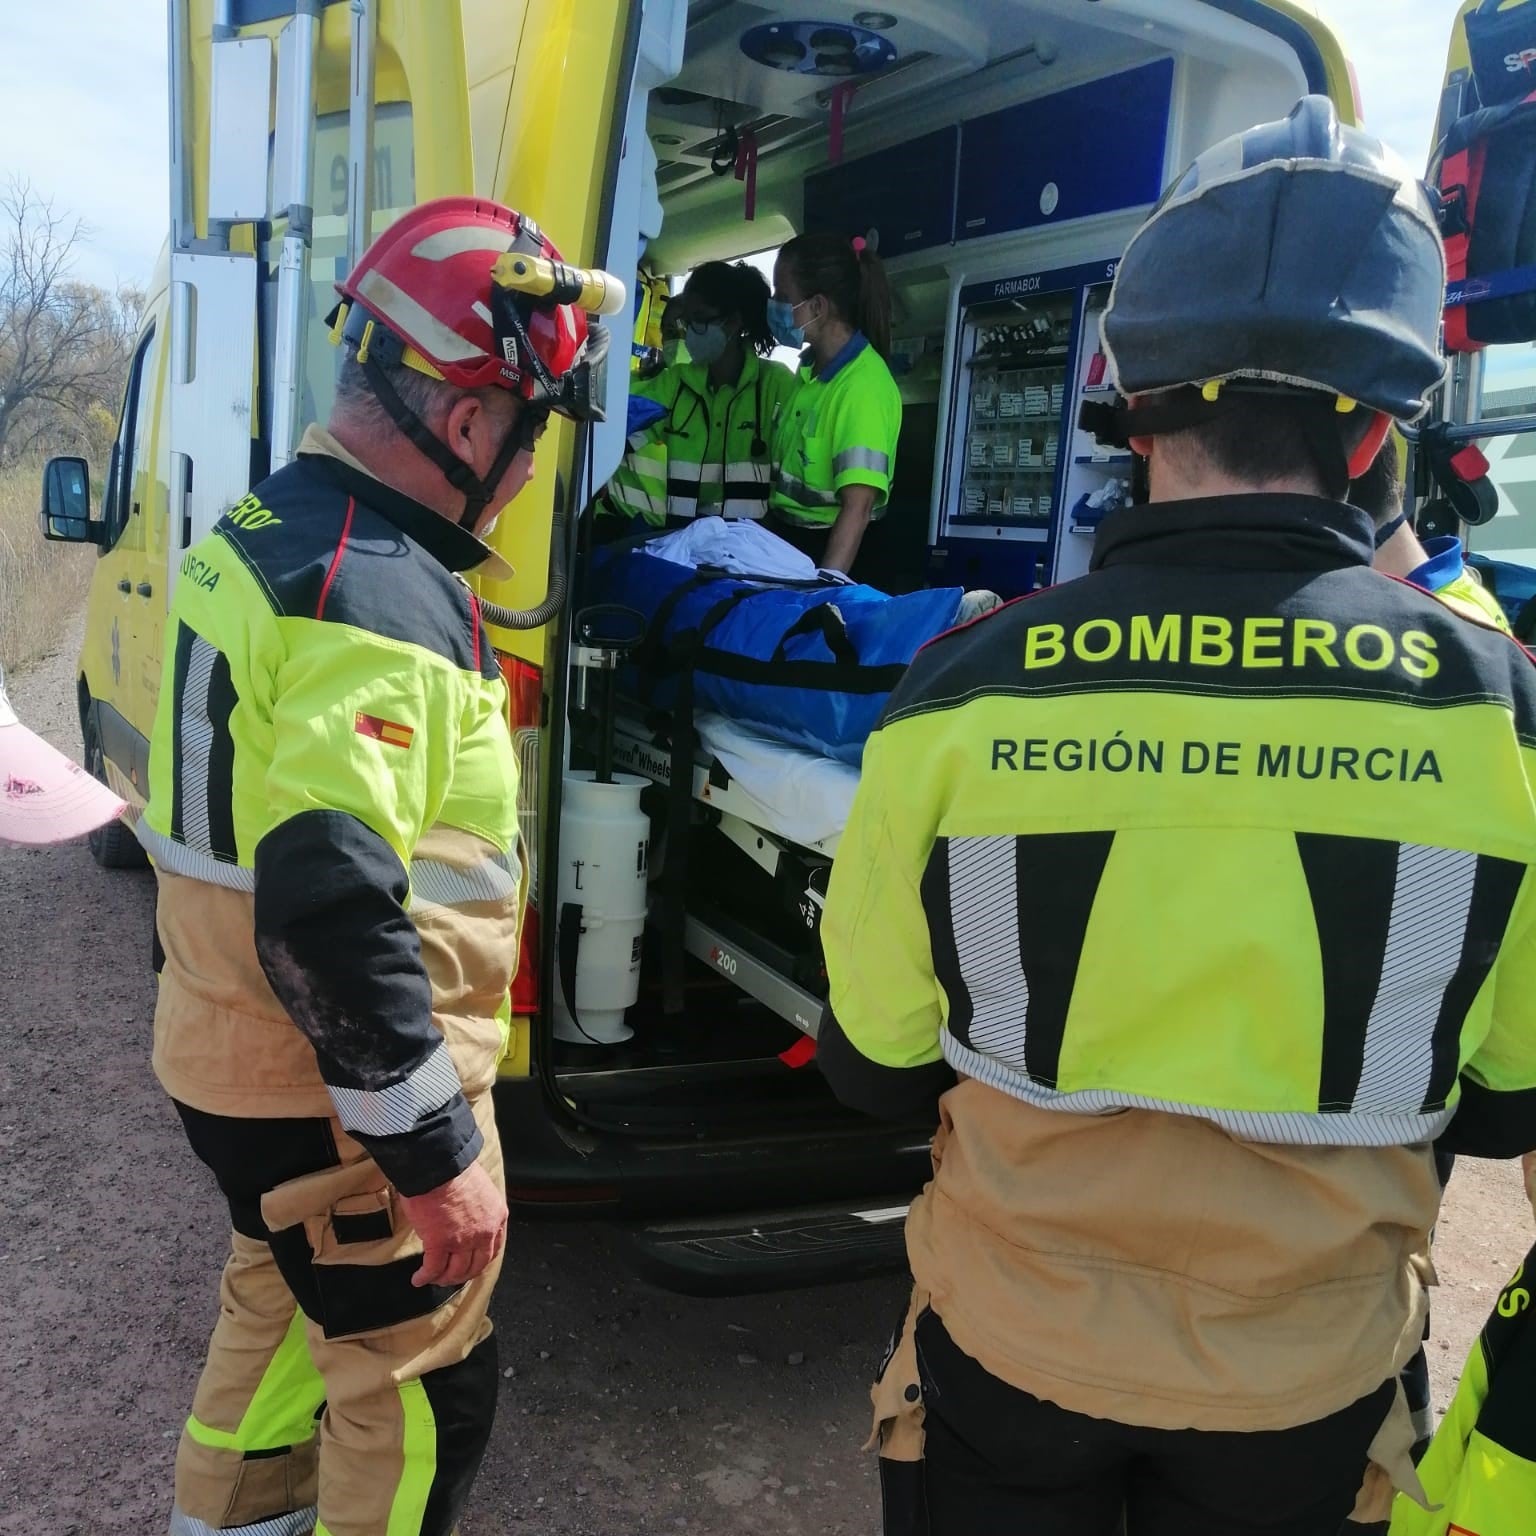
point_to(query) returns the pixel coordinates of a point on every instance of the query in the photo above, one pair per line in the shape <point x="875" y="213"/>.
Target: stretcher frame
<point x="635" y="750"/>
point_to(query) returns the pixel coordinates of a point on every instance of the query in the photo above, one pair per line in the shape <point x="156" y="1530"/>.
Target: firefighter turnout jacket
<point x="710" y="454"/>
<point x="1207" y="876"/>
<point x="332" y="814"/>
<point x="1480" y="1469"/>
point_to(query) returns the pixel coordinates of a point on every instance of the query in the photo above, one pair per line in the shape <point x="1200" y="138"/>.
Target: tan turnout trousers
<point x="337" y="1399"/>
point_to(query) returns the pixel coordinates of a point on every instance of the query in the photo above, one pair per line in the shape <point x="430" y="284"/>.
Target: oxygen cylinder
<point x="604" y="844"/>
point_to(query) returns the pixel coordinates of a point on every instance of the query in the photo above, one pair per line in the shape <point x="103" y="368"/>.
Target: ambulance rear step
<point x="770" y="1251"/>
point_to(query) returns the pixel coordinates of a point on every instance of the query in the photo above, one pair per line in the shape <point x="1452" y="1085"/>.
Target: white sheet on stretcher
<point x="742" y="547"/>
<point x="803" y="797"/>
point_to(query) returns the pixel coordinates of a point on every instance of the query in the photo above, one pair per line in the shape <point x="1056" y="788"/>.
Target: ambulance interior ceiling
<point x="948" y="60"/>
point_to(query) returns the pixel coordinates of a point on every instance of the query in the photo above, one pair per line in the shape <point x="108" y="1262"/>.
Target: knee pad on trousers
<point x="225" y="1490"/>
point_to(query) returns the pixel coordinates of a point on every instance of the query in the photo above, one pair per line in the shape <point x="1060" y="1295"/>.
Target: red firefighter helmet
<point x="472" y="293"/>
<point x="427" y="280"/>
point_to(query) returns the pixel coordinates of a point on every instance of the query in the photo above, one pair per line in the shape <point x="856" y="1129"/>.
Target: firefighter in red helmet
<point x="332" y="816"/>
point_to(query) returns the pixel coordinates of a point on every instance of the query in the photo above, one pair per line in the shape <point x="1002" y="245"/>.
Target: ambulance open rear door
<point x="213" y="302"/>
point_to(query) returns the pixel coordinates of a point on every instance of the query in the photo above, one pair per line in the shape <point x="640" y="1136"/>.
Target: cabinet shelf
<point x="984" y="520"/>
<point x="1003" y="472"/>
<point x="1038" y="362"/>
<point x="1013" y="423"/>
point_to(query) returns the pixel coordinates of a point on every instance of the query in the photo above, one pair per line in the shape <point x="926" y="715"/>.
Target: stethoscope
<point x="759" y="444"/>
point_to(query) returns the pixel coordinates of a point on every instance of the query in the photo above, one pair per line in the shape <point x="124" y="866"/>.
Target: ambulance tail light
<point x="525" y="689"/>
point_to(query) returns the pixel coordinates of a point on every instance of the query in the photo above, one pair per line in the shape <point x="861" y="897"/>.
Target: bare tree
<point x="63" y="343"/>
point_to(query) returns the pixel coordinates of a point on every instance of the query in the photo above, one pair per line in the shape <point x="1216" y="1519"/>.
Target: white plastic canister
<point x="604" y="847"/>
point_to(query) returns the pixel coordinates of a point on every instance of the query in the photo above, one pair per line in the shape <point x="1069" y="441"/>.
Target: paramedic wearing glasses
<point x="1200" y="890"/>
<point x="836" y="446"/>
<point x="700" y="444"/>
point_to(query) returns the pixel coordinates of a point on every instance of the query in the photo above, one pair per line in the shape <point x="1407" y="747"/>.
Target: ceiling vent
<point x="838" y="49"/>
<point x="768" y="55"/>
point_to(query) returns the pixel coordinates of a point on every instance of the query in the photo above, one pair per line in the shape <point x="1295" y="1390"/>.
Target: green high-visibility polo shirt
<point x="840" y="430"/>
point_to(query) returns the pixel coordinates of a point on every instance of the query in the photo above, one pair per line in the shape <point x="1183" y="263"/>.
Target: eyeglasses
<point x="678" y="322"/>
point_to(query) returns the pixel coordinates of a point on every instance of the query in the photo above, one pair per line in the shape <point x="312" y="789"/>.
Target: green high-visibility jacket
<point x="1232" y="827"/>
<point x="710" y="454"/>
<point x="1466" y="593"/>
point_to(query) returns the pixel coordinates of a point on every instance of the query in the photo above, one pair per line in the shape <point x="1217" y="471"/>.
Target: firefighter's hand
<point x="462" y="1225"/>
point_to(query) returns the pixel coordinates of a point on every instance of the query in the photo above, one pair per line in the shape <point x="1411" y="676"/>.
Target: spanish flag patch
<point x="391" y="732"/>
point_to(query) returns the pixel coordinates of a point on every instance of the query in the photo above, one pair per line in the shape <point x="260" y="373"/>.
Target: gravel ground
<point x="624" y="1410"/>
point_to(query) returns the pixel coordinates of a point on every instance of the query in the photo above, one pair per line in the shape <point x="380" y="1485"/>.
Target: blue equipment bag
<point x="811" y="665"/>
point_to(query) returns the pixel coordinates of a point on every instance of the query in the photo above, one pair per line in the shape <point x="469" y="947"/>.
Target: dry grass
<point x="42" y="585"/>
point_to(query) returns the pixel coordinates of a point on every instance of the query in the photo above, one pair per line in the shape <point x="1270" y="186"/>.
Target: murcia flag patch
<point x="390" y="732"/>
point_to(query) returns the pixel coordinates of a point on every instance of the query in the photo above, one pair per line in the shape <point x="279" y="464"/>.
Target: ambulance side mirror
<point x="66" y="510"/>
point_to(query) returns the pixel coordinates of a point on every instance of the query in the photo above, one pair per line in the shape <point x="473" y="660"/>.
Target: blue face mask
<point x="781" y="321"/>
<point x="706" y="343"/>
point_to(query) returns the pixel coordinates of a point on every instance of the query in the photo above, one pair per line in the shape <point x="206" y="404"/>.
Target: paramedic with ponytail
<point x="1197" y="893"/>
<point x="704" y="450"/>
<point x="836" y="445"/>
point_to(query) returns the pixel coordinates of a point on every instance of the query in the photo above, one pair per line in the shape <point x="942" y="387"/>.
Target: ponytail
<point x="851" y="277"/>
<point x="874" y="299"/>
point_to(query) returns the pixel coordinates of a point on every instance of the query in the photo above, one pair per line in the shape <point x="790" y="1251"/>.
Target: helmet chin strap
<point x="475" y="502"/>
<point x="477" y="492"/>
<point x="1388" y="529"/>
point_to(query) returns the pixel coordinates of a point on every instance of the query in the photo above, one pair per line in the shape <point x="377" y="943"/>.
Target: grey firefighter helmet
<point x="1298" y="255"/>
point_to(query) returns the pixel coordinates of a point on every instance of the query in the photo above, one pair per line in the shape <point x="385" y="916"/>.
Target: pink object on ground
<point x="44" y="797"/>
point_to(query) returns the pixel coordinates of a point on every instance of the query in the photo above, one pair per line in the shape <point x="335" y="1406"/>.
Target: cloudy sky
<point x="83" y="116"/>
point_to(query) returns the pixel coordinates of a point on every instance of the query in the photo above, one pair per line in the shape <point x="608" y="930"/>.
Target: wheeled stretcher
<point x="747" y="700"/>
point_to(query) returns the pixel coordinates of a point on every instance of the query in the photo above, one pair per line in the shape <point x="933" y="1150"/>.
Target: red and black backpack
<point x="1485" y="172"/>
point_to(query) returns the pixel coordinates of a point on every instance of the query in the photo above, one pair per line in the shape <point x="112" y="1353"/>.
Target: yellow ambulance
<point x="999" y="153"/>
